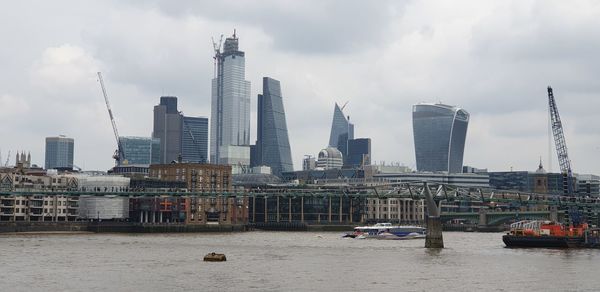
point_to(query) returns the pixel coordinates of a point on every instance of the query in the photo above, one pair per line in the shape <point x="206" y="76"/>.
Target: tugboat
<point x="551" y="234"/>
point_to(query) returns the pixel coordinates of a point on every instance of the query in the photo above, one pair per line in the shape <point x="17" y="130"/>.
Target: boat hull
<point x="542" y="241"/>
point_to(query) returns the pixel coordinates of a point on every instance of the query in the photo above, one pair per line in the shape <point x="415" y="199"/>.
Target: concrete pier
<point x="434" y="238"/>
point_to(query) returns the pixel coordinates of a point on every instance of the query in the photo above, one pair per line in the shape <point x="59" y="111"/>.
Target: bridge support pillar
<point x="482" y="218"/>
<point x="553" y="213"/>
<point x="434" y="238"/>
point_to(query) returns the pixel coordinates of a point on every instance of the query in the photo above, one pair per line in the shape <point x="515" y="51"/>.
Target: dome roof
<point x="330" y="152"/>
<point x="540" y="168"/>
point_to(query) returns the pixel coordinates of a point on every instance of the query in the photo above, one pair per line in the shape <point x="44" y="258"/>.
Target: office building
<point x="359" y="153"/>
<point x="272" y="144"/>
<point x="59" y="152"/>
<point x="588" y="185"/>
<point x="180" y="136"/>
<point x="309" y="162"/>
<point x="167" y="128"/>
<point x="439" y="133"/>
<point x="230" y="108"/>
<point x="538" y="181"/>
<point x="341" y="130"/>
<point x="470" y="180"/>
<point x="194" y="140"/>
<point x="140" y="150"/>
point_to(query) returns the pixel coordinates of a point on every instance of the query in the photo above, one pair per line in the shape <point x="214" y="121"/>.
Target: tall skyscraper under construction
<point x="230" y="107"/>
<point x="272" y="143"/>
<point x="440" y="132"/>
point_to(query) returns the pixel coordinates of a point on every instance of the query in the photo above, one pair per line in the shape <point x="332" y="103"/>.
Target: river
<point x="286" y="261"/>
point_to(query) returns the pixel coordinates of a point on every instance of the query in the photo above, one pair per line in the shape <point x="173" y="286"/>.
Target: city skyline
<point x="423" y="55"/>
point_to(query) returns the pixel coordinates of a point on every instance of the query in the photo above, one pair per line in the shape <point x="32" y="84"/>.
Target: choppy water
<point x="286" y="261"/>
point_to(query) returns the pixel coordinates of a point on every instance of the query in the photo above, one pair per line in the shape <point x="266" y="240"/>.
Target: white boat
<point x="389" y="231"/>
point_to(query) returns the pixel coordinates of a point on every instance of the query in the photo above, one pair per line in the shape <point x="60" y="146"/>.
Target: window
<point x="46" y="203"/>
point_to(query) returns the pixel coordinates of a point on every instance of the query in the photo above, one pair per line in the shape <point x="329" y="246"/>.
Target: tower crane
<point x="119" y="155"/>
<point x="561" y="145"/>
<point x="217" y="48"/>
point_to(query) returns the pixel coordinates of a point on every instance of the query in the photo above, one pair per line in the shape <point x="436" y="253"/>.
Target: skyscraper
<point x="440" y="132"/>
<point x="272" y="143"/>
<point x="178" y="134"/>
<point x="230" y="108"/>
<point x="194" y="140"/>
<point x="140" y="150"/>
<point x="59" y="152"/>
<point x="341" y="131"/>
<point x="167" y="128"/>
<point x="359" y="152"/>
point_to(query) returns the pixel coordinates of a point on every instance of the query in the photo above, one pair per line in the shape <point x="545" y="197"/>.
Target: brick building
<point x="197" y="176"/>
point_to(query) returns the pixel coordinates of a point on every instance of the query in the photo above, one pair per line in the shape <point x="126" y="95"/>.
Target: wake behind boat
<point x="387" y="231"/>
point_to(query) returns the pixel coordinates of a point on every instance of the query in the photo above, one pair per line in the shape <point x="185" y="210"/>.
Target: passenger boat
<point x="551" y="234"/>
<point x="387" y="231"/>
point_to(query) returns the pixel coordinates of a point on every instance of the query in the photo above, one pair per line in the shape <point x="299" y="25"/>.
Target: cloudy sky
<point x="492" y="58"/>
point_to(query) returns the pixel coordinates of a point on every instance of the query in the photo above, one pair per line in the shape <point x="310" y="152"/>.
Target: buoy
<point x="215" y="257"/>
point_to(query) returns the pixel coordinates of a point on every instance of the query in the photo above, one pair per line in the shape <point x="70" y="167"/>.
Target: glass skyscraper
<point x="341" y="131"/>
<point x="140" y="150"/>
<point x="359" y="152"/>
<point x="272" y="143"/>
<point x="439" y="132"/>
<point x="230" y="108"/>
<point x="59" y="152"/>
<point x="194" y="139"/>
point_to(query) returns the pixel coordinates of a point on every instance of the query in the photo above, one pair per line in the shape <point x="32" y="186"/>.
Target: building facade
<point x="359" y="152"/>
<point x="194" y="140"/>
<point x="396" y="210"/>
<point x="272" y="143"/>
<point x="330" y="158"/>
<point x="230" y="107"/>
<point x="198" y="177"/>
<point x="59" y="152"/>
<point x="341" y="131"/>
<point x="471" y="180"/>
<point x="439" y="133"/>
<point x="167" y="128"/>
<point x="140" y="150"/>
<point x="309" y="162"/>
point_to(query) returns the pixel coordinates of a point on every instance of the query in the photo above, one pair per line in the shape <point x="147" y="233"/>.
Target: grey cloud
<point x="305" y="27"/>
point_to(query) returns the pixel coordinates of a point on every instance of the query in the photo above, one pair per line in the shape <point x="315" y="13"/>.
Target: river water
<point x="286" y="261"/>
